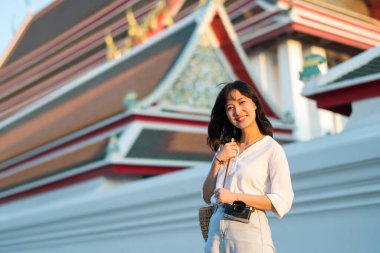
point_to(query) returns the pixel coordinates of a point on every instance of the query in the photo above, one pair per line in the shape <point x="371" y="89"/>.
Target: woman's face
<point x="241" y="110"/>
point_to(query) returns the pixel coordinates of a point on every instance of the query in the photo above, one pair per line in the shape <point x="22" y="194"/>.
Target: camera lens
<point x="238" y="206"/>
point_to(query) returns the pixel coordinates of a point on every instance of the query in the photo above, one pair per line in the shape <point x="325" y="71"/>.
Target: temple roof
<point x="63" y="14"/>
<point x="164" y="151"/>
<point x="164" y="144"/>
<point x="354" y="6"/>
<point x="63" y="59"/>
<point x="95" y="98"/>
<point x="370" y="68"/>
<point x="353" y="80"/>
<point x="89" y="126"/>
<point x="258" y="20"/>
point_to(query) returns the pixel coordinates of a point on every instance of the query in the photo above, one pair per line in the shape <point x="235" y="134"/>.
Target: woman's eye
<point x="242" y="102"/>
<point x="229" y="108"/>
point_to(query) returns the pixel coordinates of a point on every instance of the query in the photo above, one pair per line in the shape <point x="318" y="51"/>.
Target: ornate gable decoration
<point x="197" y="85"/>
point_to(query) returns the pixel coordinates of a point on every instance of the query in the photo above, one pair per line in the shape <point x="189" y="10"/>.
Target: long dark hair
<point x="220" y="129"/>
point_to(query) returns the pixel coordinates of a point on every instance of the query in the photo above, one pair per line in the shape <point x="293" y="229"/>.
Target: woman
<point x="253" y="169"/>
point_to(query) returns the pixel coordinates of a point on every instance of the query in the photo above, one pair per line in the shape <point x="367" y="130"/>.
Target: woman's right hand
<point x="227" y="151"/>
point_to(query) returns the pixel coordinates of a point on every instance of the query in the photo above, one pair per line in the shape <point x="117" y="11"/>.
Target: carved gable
<point x="197" y="85"/>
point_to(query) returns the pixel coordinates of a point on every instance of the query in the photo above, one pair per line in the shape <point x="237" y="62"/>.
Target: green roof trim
<point x="372" y="67"/>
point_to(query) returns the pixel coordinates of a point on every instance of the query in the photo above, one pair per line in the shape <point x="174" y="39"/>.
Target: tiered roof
<point x="353" y="80"/>
<point x="43" y="57"/>
<point x="62" y="116"/>
<point x="79" y="128"/>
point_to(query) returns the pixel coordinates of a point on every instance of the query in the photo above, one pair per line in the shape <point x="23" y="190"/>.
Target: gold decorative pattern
<point x="159" y="18"/>
<point x="197" y="86"/>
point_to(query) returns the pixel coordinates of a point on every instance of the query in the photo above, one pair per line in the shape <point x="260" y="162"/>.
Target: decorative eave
<point x="136" y="120"/>
<point x="106" y="128"/>
<point x="353" y="80"/>
<point x="313" y="20"/>
<point x="131" y="124"/>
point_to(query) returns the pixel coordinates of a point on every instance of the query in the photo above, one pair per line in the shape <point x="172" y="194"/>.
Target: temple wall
<point x="337" y="187"/>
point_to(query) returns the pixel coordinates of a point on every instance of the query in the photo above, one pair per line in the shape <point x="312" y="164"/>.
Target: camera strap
<point x="228" y="165"/>
<point x="225" y="174"/>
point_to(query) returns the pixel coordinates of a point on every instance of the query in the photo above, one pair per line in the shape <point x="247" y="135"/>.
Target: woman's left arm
<point x="260" y="202"/>
<point x="281" y="191"/>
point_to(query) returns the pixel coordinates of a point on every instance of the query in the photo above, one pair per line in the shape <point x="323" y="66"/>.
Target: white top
<point x="261" y="169"/>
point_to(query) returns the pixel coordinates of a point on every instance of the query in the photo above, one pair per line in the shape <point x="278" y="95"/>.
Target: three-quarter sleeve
<point x="280" y="191"/>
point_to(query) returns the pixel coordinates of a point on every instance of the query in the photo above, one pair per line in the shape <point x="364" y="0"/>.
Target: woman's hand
<point x="225" y="153"/>
<point x="228" y="151"/>
<point x="224" y="196"/>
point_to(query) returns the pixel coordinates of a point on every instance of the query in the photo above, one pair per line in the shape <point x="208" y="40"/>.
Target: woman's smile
<point x="240" y="118"/>
<point x="240" y="110"/>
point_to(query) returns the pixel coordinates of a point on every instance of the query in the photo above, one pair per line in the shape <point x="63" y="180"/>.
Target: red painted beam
<point x="141" y="169"/>
<point x="119" y="123"/>
<point x="340" y="100"/>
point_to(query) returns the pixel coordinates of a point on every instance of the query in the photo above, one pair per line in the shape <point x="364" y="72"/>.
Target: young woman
<point x="248" y="166"/>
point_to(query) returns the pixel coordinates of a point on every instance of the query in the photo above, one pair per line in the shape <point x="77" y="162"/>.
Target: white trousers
<point x="228" y="236"/>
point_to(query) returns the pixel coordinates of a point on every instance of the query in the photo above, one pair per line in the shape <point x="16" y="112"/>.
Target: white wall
<point x="337" y="204"/>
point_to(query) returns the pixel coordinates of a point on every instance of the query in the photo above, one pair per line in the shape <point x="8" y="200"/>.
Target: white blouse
<point x="261" y="169"/>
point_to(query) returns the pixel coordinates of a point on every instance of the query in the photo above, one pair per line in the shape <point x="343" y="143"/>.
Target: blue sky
<point x="12" y="14"/>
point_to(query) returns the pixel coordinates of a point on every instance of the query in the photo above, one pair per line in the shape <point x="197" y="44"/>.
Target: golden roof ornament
<point x="112" y="52"/>
<point x="157" y="19"/>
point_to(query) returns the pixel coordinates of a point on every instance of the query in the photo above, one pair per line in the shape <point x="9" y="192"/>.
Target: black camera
<point x="238" y="211"/>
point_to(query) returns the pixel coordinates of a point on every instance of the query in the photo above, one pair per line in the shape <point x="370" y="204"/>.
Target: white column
<point x="259" y="66"/>
<point x="329" y="122"/>
<point x="273" y="76"/>
<point x="339" y="122"/>
<point x="257" y="61"/>
<point x="326" y="118"/>
<point x="290" y="58"/>
<point x="263" y="67"/>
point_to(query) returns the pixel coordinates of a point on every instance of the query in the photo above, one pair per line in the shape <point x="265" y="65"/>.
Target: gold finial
<point x="153" y="23"/>
<point x="128" y="43"/>
<point x="160" y="6"/>
<point x="133" y="26"/>
<point x="112" y="51"/>
<point x="168" y="18"/>
<point x="131" y="18"/>
<point x="136" y="32"/>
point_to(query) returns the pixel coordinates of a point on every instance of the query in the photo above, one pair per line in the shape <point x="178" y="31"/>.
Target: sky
<point x="12" y="14"/>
